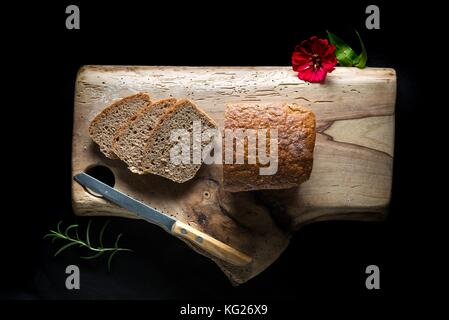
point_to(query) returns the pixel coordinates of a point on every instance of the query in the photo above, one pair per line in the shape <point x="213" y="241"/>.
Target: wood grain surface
<point x="352" y="172"/>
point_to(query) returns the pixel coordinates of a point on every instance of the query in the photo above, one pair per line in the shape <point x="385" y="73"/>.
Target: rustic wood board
<point x="352" y="173"/>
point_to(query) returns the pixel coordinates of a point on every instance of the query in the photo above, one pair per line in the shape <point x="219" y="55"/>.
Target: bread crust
<point x="179" y="104"/>
<point x="296" y="141"/>
<point x="105" y="112"/>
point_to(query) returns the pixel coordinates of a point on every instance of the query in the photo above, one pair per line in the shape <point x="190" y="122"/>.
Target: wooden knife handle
<point x="211" y="245"/>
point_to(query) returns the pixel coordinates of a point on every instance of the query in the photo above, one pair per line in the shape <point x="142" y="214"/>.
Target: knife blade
<point x="169" y="224"/>
<point x="124" y="201"/>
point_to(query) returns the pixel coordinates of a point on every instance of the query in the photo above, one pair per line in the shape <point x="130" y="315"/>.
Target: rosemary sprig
<point x="76" y="240"/>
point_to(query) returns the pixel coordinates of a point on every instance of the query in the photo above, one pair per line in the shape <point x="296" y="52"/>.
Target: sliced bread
<point x="157" y="159"/>
<point x="130" y="140"/>
<point x="104" y="126"/>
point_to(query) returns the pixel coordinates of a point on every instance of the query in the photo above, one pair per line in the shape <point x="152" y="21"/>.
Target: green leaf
<point x="110" y="259"/>
<point x="92" y="256"/>
<point x="116" y="241"/>
<point x="57" y="227"/>
<point x="363" y="57"/>
<point x="70" y="227"/>
<point x="345" y="55"/>
<point x="87" y="233"/>
<point x="102" y="232"/>
<point x="54" y="234"/>
<point x="68" y="245"/>
<point x="51" y="235"/>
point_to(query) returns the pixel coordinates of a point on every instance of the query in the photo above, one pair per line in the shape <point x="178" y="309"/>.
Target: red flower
<point x="313" y="59"/>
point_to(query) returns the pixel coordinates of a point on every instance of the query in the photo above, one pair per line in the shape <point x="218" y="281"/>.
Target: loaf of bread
<point x="130" y="140"/>
<point x="296" y="139"/>
<point x="105" y="125"/>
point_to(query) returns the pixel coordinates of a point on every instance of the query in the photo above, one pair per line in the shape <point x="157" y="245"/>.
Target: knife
<point x="175" y="227"/>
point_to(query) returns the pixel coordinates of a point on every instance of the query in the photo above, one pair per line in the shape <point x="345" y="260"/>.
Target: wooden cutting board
<point x="353" y="160"/>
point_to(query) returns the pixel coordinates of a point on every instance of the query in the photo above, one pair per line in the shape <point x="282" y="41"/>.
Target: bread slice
<point x="104" y="126"/>
<point x="156" y="159"/>
<point x="129" y="141"/>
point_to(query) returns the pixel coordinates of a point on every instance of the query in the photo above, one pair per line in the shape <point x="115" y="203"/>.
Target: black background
<point x="325" y="260"/>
